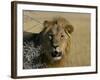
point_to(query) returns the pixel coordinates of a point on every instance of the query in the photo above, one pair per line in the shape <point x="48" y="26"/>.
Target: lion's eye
<point x="50" y="37"/>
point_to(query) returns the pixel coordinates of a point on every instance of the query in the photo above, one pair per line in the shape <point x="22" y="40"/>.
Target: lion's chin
<point x="57" y="58"/>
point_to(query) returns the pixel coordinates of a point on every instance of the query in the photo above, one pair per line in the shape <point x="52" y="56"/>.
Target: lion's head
<point x="57" y="35"/>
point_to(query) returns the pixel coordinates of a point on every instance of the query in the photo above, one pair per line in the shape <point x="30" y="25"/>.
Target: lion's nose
<point x="58" y="49"/>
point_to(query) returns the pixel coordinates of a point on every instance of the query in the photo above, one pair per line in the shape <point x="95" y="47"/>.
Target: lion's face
<point x="59" y="33"/>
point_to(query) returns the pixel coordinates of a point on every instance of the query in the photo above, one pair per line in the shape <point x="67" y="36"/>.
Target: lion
<point x="56" y="41"/>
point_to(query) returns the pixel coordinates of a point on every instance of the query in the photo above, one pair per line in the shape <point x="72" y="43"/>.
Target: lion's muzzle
<point x="56" y="54"/>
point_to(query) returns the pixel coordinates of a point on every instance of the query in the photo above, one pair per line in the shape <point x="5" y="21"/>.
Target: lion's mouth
<point x="56" y="54"/>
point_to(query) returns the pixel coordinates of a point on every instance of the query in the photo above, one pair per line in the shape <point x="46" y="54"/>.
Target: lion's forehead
<point x="57" y="28"/>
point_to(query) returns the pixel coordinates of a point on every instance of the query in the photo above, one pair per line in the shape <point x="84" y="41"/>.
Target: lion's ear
<point x="69" y="28"/>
